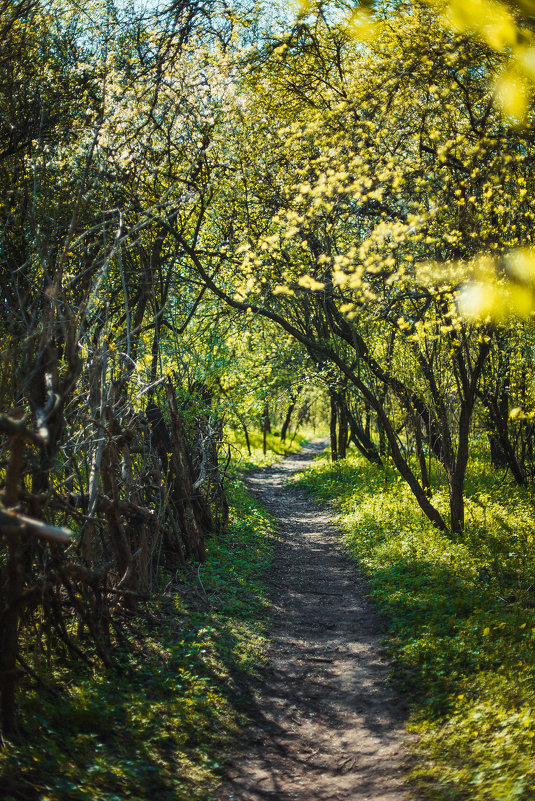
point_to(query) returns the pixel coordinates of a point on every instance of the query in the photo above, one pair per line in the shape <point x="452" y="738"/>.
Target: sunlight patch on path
<point x="326" y="723"/>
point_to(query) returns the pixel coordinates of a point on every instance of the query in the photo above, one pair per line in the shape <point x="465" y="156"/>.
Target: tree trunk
<point x="497" y="454"/>
<point x="368" y="424"/>
<point x="287" y="419"/>
<point x="9" y="632"/>
<point x="457" y="478"/>
<point x="333" y="431"/>
<point x="196" y="518"/>
<point x="192" y="516"/>
<point x="343" y="429"/>
<point x="266" y="428"/>
<point x="501" y="449"/>
<point x="247" y="441"/>
<point x="426" y="481"/>
<point x="458" y="475"/>
<point x="383" y="442"/>
<point x="110" y="468"/>
<point x="404" y="469"/>
<point x="9" y="638"/>
<point x="362" y="440"/>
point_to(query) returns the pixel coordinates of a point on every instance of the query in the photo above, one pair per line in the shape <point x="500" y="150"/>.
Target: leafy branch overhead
<point x="221" y="226"/>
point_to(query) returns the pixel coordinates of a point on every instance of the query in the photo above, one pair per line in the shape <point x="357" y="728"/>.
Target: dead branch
<point x="15" y="522"/>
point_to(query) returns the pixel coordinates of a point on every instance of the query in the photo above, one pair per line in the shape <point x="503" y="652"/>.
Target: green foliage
<point x="158" y="724"/>
<point x="275" y="448"/>
<point x="463" y="622"/>
<point x="349" y="186"/>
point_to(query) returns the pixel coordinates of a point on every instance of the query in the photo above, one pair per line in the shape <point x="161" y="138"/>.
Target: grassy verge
<point x="275" y="448"/>
<point x="157" y="725"/>
<point x="463" y="622"/>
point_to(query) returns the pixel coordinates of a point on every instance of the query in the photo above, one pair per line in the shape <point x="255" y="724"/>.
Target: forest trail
<point x="326" y="724"/>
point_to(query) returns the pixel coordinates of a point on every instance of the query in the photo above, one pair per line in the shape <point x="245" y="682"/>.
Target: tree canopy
<point x="218" y="218"/>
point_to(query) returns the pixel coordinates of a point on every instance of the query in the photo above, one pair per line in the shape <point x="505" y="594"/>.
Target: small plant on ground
<point x="158" y="724"/>
<point x="275" y="451"/>
<point x="462" y="614"/>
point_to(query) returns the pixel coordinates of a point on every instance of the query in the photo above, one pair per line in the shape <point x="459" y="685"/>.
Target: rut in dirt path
<point x="326" y="724"/>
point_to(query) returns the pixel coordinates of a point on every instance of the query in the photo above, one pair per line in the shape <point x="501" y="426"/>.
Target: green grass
<point x="159" y="724"/>
<point x="462" y="622"/>
<point x="275" y="448"/>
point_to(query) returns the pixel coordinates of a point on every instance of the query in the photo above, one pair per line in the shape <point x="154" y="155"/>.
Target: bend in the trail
<point x="326" y="723"/>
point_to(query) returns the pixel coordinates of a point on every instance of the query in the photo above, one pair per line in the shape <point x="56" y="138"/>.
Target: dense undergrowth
<point x="463" y="621"/>
<point x="158" y="724"/>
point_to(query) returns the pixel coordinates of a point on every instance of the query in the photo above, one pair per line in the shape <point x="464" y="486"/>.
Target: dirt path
<point x="326" y="724"/>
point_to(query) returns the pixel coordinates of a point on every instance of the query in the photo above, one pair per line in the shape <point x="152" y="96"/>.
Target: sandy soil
<point x="326" y="723"/>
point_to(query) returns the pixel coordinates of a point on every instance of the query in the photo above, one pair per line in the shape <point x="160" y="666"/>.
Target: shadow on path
<point x="326" y="724"/>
